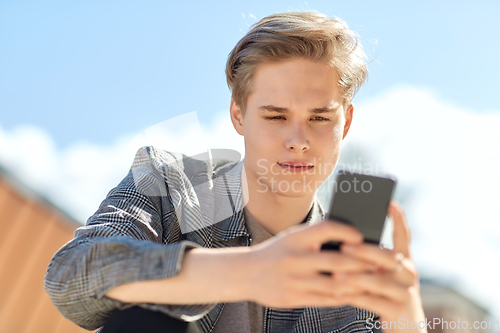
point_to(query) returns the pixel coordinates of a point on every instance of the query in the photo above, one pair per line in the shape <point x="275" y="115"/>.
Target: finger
<point x="327" y="261"/>
<point x="322" y="232"/>
<point x="401" y="236"/>
<point x="388" y="260"/>
<point x="376" y="284"/>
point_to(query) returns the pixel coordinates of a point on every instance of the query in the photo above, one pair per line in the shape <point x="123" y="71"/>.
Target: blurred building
<point x="451" y="311"/>
<point x="31" y="231"/>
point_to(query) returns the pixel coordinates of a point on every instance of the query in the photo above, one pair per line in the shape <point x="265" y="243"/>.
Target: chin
<point x="292" y="194"/>
<point x="292" y="187"/>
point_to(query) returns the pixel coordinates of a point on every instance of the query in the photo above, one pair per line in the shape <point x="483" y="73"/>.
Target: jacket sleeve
<point x="133" y="236"/>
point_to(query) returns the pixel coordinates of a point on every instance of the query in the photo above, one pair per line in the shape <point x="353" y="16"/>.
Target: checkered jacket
<point x="167" y="204"/>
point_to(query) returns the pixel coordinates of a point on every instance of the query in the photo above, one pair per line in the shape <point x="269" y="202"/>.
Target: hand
<point x="393" y="290"/>
<point x="284" y="271"/>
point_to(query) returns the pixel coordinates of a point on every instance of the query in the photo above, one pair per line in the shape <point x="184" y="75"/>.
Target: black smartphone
<point x="362" y="201"/>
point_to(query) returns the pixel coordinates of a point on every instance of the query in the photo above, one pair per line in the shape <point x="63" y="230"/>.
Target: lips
<point x="296" y="165"/>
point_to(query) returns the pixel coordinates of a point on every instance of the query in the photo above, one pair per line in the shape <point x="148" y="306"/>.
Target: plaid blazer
<point x="169" y="203"/>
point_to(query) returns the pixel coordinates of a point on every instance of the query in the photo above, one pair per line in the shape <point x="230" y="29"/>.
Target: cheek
<point x="331" y="136"/>
<point x="338" y="129"/>
<point x="330" y="143"/>
<point x="259" y="144"/>
<point x="261" y="137"/>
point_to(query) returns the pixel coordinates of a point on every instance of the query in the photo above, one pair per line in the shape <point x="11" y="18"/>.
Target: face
<point x="293" y="126"/>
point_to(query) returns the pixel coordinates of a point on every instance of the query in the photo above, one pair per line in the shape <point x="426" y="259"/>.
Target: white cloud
<point x="449" y="158"/>
<point x="30" y="152"/>
<point x="446" y="160"/>
<point x="78" y="178"/>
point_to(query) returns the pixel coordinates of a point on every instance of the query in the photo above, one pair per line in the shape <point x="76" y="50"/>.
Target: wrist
<point x="222" y="275"/>
<point x="241" y="268"/>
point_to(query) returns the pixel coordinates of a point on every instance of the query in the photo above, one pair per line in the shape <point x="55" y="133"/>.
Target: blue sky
<point x="94" y="70"/>
<point x="79" y="80"/>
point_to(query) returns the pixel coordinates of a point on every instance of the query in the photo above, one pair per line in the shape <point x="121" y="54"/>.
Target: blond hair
<point x="308" y="35"/>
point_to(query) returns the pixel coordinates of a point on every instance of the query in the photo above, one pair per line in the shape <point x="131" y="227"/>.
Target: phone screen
<point x="362" y="201"/>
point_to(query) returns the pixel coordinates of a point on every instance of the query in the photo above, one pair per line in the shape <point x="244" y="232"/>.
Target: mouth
<point x="296" y="166"/>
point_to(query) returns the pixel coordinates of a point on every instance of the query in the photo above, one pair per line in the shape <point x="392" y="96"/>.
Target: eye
<point x="274" y="118"/>
<point x="320" y="118"/>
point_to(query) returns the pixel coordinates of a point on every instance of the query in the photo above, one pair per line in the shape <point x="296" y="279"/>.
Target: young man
<point x="236" y="246"/>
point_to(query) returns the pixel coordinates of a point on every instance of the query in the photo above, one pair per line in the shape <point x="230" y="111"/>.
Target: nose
<point x="297" y="139"/>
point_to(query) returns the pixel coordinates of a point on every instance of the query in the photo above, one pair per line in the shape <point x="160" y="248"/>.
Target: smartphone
<point x="362" y="201"/>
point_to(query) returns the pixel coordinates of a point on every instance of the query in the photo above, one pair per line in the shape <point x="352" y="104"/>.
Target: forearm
<point x="206" y="276"/>
<point x="83" y="271"/>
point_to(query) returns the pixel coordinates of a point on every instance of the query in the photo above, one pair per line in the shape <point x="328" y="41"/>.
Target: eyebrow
<point x="277" y="109"/>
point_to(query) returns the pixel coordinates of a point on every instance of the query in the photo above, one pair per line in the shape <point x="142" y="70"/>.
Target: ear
<point x="348" y="119"/>
<point x="236" y="117"/>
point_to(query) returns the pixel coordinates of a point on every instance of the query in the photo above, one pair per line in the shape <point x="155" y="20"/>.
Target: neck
<point x="273" y="211"/>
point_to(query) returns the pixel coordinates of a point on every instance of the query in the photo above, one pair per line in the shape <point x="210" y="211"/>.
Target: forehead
<point x="295" y="82"/>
